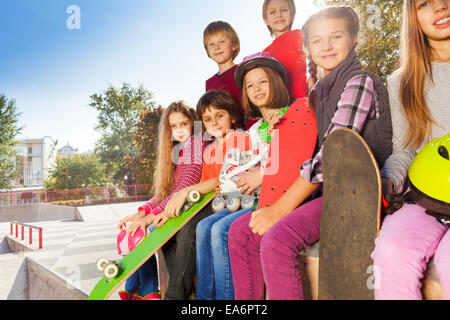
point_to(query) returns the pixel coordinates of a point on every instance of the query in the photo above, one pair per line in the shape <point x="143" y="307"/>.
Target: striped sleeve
<point x="188" y="170"/>
<point x="396" y="166"/>
<point x="353" y="110"/>
<point x="149" y="205"/>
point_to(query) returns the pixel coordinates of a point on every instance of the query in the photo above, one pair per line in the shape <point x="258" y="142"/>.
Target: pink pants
<point x="408" y="239"/>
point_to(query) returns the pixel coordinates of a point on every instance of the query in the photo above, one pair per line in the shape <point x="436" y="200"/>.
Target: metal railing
<point x="30" y="231"/>
<point x="78" y="197"/>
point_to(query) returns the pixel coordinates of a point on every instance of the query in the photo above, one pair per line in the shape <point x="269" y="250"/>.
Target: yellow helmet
<point x="429" y="176"/>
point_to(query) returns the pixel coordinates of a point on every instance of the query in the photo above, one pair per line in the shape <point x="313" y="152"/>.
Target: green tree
<point x="9" y="117"/>
<point x="77" y="171"/>
<point x="146" y="139"/>
<point x="380" y="33"/>
<point x="118" y="115"/>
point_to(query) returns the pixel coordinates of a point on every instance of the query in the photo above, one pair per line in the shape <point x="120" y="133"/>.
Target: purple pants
<point x="273" y="258"/>
<point x="407" y="240"/>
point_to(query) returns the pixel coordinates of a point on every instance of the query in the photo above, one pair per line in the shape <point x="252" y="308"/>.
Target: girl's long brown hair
<point x="165" y="168"/>
<point x="415" y="68"/>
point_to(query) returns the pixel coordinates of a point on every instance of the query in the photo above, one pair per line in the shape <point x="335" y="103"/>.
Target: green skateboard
<point x="123" y="269"/>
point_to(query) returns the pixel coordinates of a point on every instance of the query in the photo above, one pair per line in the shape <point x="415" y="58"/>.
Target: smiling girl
<point x="175" y="135"/>
<point x="419" y="93"/>
<point x="269" y="241"/>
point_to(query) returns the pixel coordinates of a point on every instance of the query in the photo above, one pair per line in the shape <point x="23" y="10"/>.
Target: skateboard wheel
<point x="101" y="264"/>
<point x="111" y="270"/>
<point x="233" y="204"/>
<point x="218" y="204"/>
<point x="247" y="202"/>
<point x="193" y="196"/>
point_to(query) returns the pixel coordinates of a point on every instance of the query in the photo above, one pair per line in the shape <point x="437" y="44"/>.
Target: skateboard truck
<point x="192" y="197"/>
<point x="109" y="268"/>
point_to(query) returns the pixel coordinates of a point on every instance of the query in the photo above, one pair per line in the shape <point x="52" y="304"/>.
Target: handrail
<point x="23" y="225"/>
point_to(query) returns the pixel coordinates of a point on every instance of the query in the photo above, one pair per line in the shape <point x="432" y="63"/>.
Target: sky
<point x="52" y="59"/>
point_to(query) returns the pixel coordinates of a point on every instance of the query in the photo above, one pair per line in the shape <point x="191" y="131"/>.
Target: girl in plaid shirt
<point x="346" y="97"/>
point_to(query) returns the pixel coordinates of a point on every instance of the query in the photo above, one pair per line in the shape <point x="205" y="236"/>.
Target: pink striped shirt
<point x="188" y="160"/>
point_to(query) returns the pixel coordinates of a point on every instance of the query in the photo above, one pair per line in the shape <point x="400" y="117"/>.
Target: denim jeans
<point x="407" y="240"/>
<point x="272" y="259"/>
<point x="214" y="279"/>
<point x="145" y="279"/>
<point x="179" y="253"/>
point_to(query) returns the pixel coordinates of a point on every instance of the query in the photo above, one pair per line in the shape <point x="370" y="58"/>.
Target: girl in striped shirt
<point x="179" y="165"/>
<point x="269" y="241"/>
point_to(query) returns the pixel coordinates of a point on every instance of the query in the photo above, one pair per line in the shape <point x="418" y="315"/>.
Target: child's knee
<point x="219" y="233"/>
<point x="202" y="230"/>
<point x="275" y="250"/>
<point x="388" y="249"/>
<point x="238" y="233"/>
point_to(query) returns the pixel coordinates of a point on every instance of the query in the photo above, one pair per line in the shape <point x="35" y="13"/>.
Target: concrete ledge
<point x="36" y="213"/>
<point x="15" y="246"/>
<point x="45" y="284"/>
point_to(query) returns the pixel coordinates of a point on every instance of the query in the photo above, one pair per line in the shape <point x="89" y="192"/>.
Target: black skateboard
<point x="350" y="220"/>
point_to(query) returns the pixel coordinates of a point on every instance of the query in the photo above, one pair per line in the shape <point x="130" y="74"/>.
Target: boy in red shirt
<point x="222" y="45"/>
<point x="279" y="15"/>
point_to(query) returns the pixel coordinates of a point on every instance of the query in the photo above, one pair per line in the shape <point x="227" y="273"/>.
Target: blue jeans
<point x="214" y="278"/>
<point x="145" y="279"/>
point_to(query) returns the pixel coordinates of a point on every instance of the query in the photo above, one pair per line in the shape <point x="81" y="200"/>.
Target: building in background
<point x="36" y="158"/>
<point x="67" y="150"/>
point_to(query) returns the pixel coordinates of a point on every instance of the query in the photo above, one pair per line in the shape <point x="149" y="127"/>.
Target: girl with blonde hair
<point x="179" y="165"/>
<point x="419" y="93"/>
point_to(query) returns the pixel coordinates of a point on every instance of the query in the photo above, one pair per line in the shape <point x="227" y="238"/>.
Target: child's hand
<point x="263" y="219"/>
<point x="251" y="181"/>
<point x="131" y="218"/>
<point x="160" y="219"/>
<point x="387" y="186"/>
<point x="217" y="185"/>
<point x="141" y="223"/>
<point x="174" y="205"/>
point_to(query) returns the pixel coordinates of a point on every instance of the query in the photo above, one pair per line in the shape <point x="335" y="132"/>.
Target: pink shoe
<point x="125" y="295"/>
<point x="126" y="243"/>
<point x="150" y="296"/>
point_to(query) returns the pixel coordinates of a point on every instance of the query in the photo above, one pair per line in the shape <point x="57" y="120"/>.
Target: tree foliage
<point x="9" y="129"/>
<point x="146" y="139"/>
<point x="380" y="33"/>
<point x="118" y="115"/>
<point x="77" y="171"/>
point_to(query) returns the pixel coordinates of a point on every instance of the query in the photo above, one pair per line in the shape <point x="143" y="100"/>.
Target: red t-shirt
<point x="287" y="49"/>
<point x="225" y="82"/>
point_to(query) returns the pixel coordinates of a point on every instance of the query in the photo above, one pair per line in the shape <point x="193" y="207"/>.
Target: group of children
<point x="239" y="255"/>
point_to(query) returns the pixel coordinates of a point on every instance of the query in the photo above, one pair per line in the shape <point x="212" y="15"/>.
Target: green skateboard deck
<point x="350" y="218"/>
<point x="148" y="247"/>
